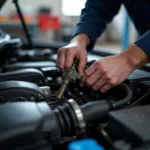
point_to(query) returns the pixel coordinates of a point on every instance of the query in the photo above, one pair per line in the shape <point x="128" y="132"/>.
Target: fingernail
<point x="102" y="91"/>
<point x="81" y="84"/>
<point x="94" y="89"/>
<point x="81" y="74"/>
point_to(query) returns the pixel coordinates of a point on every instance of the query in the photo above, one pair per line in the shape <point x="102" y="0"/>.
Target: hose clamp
<point x="78" y="113"/>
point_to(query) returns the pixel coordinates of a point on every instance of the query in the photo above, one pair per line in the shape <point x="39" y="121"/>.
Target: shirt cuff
<point x="144" y="42"/>
<point x="89" y="31"/>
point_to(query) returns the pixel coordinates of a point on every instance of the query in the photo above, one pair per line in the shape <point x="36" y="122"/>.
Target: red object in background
<point x="47" y="22"/>
<point x="15" y="17"/>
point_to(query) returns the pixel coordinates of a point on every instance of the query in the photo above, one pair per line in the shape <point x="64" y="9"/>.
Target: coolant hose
<point x="96" y="110"/>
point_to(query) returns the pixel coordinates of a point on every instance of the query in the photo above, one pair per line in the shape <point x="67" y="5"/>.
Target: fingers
<point x="88" y="72"/>
<point x="69" y="58"/>
<point x="93" y="79"/>
<point x="65" y="58"/>
<point x="60" y="58"/>
<point x="99" y="77"/>
<point x="106" y="87"/>
<point x="67" y="54"/>
<point x="105" y="83"/>
<point x="98" y="85"/>
<point x="82" y="62"/>
<point x="112" y="71"/>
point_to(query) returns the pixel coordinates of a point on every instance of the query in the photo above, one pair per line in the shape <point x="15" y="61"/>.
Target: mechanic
<point x="109" y="71"/>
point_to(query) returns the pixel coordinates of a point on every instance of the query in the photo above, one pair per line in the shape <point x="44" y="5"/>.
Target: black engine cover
<point x="29" y="75"/>
<point x="12" y="90"/>
<point x="132" y="125"/>
<point x="24" y="65"/>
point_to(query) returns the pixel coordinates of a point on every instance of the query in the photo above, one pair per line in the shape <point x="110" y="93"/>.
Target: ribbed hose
<point x="92" y="111"/>
<point x="66" y="118"/>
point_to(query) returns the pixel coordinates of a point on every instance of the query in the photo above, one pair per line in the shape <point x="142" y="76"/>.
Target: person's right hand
<point x="67" y="54"/>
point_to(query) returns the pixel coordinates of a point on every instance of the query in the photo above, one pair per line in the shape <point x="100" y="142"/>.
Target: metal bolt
<point x="46" y="91"/>
<point x="32" y="98"/>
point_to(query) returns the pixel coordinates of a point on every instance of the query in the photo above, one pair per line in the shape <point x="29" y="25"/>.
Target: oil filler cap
<point x="85" y="144"/>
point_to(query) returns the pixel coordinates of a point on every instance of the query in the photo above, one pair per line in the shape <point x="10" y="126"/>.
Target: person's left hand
<point x="107" y="73"/>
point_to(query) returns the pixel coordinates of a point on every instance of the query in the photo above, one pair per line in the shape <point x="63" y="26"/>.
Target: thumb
<point x="82" y="63"/>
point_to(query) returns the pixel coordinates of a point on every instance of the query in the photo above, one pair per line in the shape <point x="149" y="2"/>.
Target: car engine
<point x="30" y="77"/>
<point x="32" y="117"/>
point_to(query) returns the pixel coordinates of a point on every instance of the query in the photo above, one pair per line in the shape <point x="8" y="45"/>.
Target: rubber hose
<point x="124" y="101"/>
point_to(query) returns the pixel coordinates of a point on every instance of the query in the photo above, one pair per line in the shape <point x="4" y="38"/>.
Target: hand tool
<point x="68" y="77"/>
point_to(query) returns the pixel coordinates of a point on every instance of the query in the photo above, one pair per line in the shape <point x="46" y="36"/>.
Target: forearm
<point x="81" y="39"/>
<point x="139" y="54"/>
<point x="136" y="57"/>
<point x="94" y="18"/>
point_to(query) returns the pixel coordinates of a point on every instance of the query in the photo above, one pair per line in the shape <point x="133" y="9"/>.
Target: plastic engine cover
<point x="132" y="125"/>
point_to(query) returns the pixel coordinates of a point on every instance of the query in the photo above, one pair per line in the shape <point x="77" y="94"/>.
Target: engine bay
<point x="32" y="117"/>
<point x="31" y="76"/>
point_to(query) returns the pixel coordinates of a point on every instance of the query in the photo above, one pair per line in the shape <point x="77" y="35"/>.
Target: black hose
<point x="96" y="110"/>
<point x="124" y="101"/>
<point x="93" y="111"/>
<point x="137" y="101"/>
<point x="66" y="118"/>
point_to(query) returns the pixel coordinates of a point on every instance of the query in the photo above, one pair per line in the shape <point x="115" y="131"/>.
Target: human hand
<point x="107" y="73"/>
<point x="75" y="50"/>
<point x="111" y="71"/>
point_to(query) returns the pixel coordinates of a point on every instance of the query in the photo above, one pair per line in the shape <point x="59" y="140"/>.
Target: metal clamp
<point x="79" y="114"/>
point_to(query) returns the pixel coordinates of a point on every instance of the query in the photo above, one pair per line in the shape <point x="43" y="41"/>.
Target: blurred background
<point x="55" y="20"/>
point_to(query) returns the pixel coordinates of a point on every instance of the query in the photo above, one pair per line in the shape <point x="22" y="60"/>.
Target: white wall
<point x="55" y="4"/>
<point x="35" y="4"/>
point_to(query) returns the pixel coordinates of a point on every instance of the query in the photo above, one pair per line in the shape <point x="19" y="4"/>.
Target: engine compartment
<point x="25" y="77"/>
<point x="33" y="118"/>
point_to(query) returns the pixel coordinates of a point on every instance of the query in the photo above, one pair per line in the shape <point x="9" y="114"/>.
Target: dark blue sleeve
<point x="144" y="42"/>
<point x="95" y="16"/>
